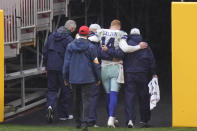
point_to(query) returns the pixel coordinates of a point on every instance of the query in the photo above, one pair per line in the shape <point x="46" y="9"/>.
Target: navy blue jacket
<point x="139" y="61"/>
<point x="97" y="45"/>
<point x="93" y="34"/>
<point x="54" y="49"/>
<point x="101" y="54"/>
<point x="79" y="67"/>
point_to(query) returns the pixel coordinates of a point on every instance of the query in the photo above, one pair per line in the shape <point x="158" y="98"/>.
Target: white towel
<point x="121" y="74"/>
<point x="154" y="92"/>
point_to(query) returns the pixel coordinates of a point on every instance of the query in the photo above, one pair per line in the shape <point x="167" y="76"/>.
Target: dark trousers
<point x="56" y="82"/>
<point x="136" y="85"/>
<point x="81" y="97"/>
<point x="95" y="93"/>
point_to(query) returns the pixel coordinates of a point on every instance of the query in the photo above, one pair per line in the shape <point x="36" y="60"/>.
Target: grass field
<point x="63" y="128"/>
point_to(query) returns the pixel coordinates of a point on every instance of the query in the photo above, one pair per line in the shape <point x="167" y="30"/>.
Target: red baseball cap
<point x="84" y="30"/>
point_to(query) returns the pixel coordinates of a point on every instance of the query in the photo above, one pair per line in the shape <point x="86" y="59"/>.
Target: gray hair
<point x="69" y="24"/>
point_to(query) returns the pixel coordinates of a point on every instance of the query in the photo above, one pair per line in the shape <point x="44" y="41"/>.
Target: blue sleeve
<point x="103" y="55"/>
<point x="67" y="58"/>
<point x="152" y="62"/>
<point x="96" y="66"/>
<point x="116" y="53"/>
<point x="45" y="52"/>
<point x="67" y="41"/>
<point x="70" y="39"/>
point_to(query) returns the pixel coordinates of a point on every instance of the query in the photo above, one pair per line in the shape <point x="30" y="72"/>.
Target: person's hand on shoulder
<point x="155" y="76"/>
<point x="116" y="60"/>
<point x="77" y="36"/>
<point x="66" y="83"/>
<point x="98" y="83"/>
<point x="143" y="45"/>
<point x="104" y="48"/>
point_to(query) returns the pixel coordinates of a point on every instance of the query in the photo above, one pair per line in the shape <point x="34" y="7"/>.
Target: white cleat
<point x="110" y="122"/>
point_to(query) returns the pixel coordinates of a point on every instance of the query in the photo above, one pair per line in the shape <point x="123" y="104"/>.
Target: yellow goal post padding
<point x="1" y="66"/>
<point x="184" y="64"/>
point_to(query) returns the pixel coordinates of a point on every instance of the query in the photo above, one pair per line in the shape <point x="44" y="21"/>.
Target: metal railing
<point x="44" y="6"/>
<point x="22" y="14"/>
<point x="28" y="13"/>
<point x="23" y="19"/>
<point x="11" y="23"/>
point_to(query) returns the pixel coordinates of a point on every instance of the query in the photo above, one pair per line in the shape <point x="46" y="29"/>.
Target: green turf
<point x="63" y="128"/>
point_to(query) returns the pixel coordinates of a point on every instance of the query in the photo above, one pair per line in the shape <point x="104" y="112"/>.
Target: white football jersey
<point x="111" y="38"/>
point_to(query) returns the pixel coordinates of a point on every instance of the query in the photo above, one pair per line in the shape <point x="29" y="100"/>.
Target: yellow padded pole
<point x="1" y="66"/>
<point x="184" y="64"/>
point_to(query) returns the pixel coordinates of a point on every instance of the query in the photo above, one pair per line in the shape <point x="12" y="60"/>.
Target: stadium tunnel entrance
<point x="153" y="18"/>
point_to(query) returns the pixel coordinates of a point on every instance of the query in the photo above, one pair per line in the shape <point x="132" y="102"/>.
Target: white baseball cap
<point x="135" y="31"/>
<point x="95" y="26"/>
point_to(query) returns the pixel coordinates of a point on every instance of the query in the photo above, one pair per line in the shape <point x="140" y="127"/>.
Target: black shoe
<point x="92" y="124"/>
<point x="129" y="126"/>
<point x="84" y="127"/>
<point x="50" y="115"/>
<point x="78" y="124"/>
<point x="116" y="122"/>
<point x="143" y="125"/>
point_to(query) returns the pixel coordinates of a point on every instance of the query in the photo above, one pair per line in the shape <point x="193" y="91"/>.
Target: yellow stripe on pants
<point x="1" y="66"/>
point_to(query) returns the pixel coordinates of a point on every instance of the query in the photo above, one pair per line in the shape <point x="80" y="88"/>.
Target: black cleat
<point x="92" y="124"/>
<point x="78" y="124"/>
<point x="130" y="126"/>
<point x="143" y="125"/>
<point x="84" y="127"/>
